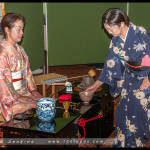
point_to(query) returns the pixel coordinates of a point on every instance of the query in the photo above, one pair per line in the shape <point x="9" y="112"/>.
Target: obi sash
<point x="139" y="65"/>
<point x="18" y="79"/>
<point x="136" y="65"/>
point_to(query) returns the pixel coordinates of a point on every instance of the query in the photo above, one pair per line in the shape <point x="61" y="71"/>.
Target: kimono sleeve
<point x="31" y="82"/>
<point x="7" y="92"/>
<point x="30" y="79"/>
<point x="113" y="72"/>
<point x="144" y="36"/>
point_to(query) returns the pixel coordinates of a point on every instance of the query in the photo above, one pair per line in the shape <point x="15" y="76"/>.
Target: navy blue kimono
<point x="132" y="117"/>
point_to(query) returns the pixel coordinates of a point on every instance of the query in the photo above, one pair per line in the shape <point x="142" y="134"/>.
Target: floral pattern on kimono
<point x="12" y="60"/>
<point x="132" y="117"/>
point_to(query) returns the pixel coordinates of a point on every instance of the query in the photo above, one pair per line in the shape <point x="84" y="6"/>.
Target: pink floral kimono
<point x="15" y="80"/>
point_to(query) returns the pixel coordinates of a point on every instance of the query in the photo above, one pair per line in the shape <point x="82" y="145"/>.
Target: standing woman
<point x="127" y="71"/>
<point x="17" y="88"/>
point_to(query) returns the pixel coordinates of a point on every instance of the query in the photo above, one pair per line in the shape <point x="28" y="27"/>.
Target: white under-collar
<point x="125" y="36"/>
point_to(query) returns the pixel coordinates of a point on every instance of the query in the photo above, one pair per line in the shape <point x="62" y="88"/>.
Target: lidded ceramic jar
<point x="45" y="108"/>
<point x="86" y="82"/>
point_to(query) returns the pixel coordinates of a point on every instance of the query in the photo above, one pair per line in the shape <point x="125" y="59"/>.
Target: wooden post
<point x="44" y="92"/>
<point x="53" y="90"/>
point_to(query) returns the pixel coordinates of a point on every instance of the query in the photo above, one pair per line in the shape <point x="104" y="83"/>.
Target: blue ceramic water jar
<point x="46" y="126"/>
<point x="45" y="109"/>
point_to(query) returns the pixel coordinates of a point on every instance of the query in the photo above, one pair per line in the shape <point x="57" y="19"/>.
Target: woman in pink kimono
<point x="17" y="88"/>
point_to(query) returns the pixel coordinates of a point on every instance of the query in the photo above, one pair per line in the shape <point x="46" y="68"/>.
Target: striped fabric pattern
<point x="50" y="81"/>
<point x="50" y="78"/>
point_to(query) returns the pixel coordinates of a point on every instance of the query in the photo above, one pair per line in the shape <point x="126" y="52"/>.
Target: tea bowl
<point x="86" y="97"/>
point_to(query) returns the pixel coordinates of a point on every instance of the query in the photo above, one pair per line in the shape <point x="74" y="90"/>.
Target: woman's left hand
<point x="36" y="94"/>
<point x="145" y="84"/>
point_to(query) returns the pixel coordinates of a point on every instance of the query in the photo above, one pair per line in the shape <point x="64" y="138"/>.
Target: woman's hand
<point x="25" y="99"/>
<point x="145" y="84"/>
<point x="36" y="94"/>
<point x="94" y="87"/>
<point x="91" y="88"/>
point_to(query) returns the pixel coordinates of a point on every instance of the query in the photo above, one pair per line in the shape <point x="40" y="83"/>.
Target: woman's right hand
<point x="91" y="88"/>
<point x="94" y="87"/>
<point x="25" y="99"/>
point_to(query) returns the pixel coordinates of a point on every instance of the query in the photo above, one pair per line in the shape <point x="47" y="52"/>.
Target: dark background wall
<point x="74" y="32"/>
<point x="33" y="41"/>
<point x="139" y="14"/>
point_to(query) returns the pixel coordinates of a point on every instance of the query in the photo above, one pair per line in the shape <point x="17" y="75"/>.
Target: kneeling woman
<point x="18" y="91"/>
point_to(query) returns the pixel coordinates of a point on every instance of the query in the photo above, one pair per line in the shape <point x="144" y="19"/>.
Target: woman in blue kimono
<point x="127" y="72"/>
